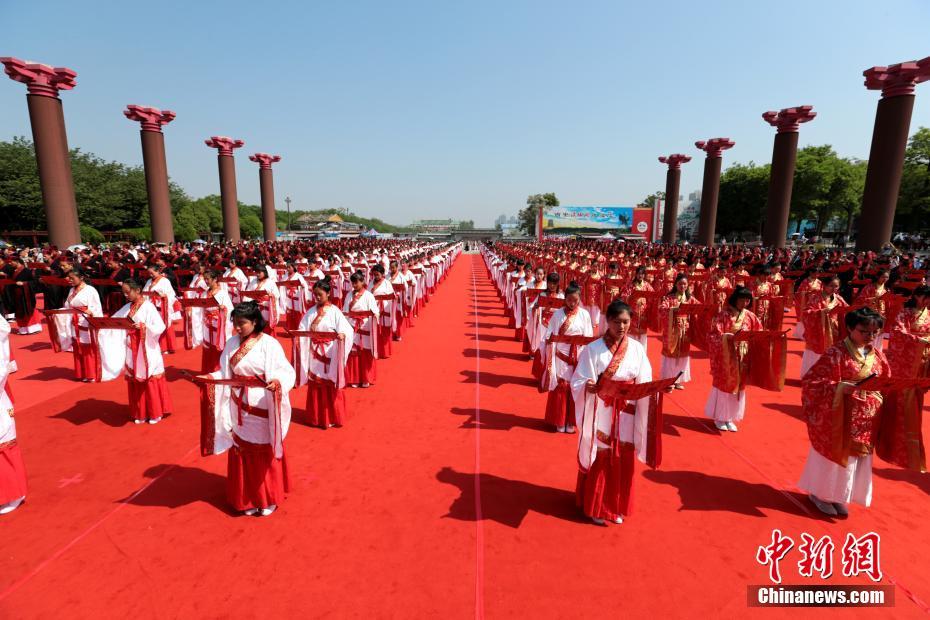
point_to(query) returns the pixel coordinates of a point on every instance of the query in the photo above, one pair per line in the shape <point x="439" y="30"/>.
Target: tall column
<point x="781" y="179"/>
<point x="539" y="223"/>
<point x="51" y="144"/>
<point x="228" y="197"/>
<point x="266" y="184"/>
<point x="672" y="185"/>
<point x="156" y="168"/>
<point x="711" y="188"/>
<point x="889" y="140"/>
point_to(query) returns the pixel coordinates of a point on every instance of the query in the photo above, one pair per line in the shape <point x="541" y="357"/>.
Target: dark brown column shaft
<point x="883" y="177"/>
<point x="781" y="179"/>
<point x="889" y="141"/>
<point x="228" y="197"/>
<point x="781" y="182"/>
<point x="710" y="191"/>
<point x="156" y="185"/>
<point x="54" y="161"/>
<point x="670" y="221"/>
<point x="269" y="222"/>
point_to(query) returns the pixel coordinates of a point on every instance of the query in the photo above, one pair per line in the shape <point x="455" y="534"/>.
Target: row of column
<point x="43" y="84"/>
<point x="883" y="177"/>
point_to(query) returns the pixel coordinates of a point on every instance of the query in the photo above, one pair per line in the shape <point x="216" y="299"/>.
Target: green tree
<point x="650" y="200"/>
<point x="527" y="215"/>
<point x="250" y="225"/>
<point x="741" y="203"/>
<point x="913" y="208"/>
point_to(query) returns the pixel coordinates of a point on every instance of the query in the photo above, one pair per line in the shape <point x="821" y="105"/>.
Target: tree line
<point x="111" y="197"/>
<point x="827" y="188"/>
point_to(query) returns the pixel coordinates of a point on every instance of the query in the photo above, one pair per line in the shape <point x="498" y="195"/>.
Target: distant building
<point x="507" y="223"/>
<point x="434" y="226"/>
<point x="689" y="216"/>
<point x="328" y="224"/>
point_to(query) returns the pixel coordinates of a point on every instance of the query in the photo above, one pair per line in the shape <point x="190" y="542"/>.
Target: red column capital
<point x="39" y="79"/>
<point x="224" y="144"/>
<point x="152" y="119"/>
<point x="788" y="120"/>
<point x="715" y="146"/>
<point x="675" y="160"/>
<point x="897" y="80"/>
<point x="265" y="160"/>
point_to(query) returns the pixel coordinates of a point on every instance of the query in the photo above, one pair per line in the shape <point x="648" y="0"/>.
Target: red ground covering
<point x="444" y="496"/>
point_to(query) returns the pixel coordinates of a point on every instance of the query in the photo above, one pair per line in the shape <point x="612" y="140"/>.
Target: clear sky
<point x="415" y="109"/>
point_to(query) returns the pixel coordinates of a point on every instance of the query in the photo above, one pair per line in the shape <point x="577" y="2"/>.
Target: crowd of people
<point x="582" y="310"/>
<point x="340" y="306"/>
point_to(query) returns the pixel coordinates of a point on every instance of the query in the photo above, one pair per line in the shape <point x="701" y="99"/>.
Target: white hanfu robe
<point x="116" y="352"/>
<point x="364" y="302"/>
<point x="593" y="414"/>
<point x="263" y="358"/>
<point x="323" y="361"/>
<point x="557" y="368"/>
<point x="163" y="287"/>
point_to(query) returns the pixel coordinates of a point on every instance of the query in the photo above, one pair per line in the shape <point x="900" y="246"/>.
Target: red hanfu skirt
<point x="537" y="369"/>
<point x="209" y="359"/>
<point x="325" y="404"/>
<point x="166" y="340"/>
<point x="384" y="343"/>
<point x="606" y="491"/>
<point x="360" y="368"/>
<point x="149" y="399"/>
<point x="255" y="478"/>
<point x="403" y="323"/>
<point x="560" y="406"/>
<point x="12" y="474"/>
<point x="85" y="361"/>
<point x="292" y="319"/>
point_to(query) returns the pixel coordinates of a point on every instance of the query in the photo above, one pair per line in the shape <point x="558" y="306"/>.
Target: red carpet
<point x="443" y="496"/>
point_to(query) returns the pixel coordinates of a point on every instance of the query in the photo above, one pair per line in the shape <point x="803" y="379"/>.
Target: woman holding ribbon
<point x="251" y="414"/>
<point x="322" y="356"/>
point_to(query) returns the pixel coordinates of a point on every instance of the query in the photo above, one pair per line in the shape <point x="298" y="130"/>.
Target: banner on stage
<point x="610" y="218"/>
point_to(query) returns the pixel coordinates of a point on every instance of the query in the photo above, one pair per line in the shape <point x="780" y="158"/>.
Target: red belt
<point x="247" y="408"/>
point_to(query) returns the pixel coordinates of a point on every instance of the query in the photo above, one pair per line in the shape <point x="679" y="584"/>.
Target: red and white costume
<point x="361" y="365"/>
<point x="83" y="297"/>
<point x="322" y="365"/>
<point x="252" y="422"/>
<point x="12" y="470"/>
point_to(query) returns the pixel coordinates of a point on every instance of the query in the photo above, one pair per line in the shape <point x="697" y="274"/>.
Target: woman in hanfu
<point x="821" y="322"/>
<point x="806" y="288"/>
<point x="294" y="299"/>
<point x="611" y="433"/>
<point x="843" y="420"/>
<point x="251" y="420"/>
<point x="164" y="298"/>
<point x="217" y="327"/>
<point x="149" y="399"/>
<point x="321" y="359"/>
<point x="676" y="339"/>
<point x="12" y="469"/>
<point x="85" y="299"/>
<point x="383" y="291"/>
<point x="541" y="319"/>
<point x="729" y="360"/>
<point x="361" y="369"/>
<point x="901" y="437"/>
<point x="561" y="358"/>
<point x="872" y="295"/>
<point x="401" y="299"/>
<point x="639" y="319"/>
<point x="269" y="306"/>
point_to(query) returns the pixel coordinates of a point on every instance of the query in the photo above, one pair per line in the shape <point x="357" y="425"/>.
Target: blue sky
<point x="405" y="110"/>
